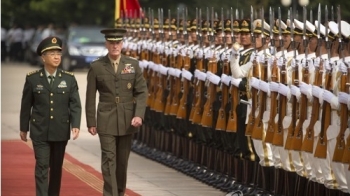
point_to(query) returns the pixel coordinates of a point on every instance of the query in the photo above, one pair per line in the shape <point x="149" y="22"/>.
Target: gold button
<point x="51" y="102"/>
<point x="51" y="109"/>
<point x="33" y="120"/>
<point x="51" y="117"/>
<point x="51" y="94"/>
<point x="63" y="92"/>
<point x="39" y="92"/>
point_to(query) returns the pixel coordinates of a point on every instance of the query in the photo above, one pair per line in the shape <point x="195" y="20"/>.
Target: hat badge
<point x="228" y="22"/>
<point x="235" y="23"/>
<point x="54" y="40"/>
<point x="245" y="23"/>
<point x="258" y="24"/>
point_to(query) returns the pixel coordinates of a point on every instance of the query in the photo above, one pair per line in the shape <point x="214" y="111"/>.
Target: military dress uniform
<point x="123" y="95"/>
<point x="48" y="112"/>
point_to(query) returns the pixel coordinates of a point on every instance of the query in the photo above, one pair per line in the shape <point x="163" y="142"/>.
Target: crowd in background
<point x="16" y="41"/>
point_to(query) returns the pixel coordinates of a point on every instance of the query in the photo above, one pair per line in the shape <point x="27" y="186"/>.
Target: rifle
<point x="282" y="102"/>
<point x="308" y="143"/>
<point x="207" y="116"/>
<point x="340" y="145"/>
<point x="321" y="146"/>
<point x="258" y="125"/>
<point x="274" y="79"/>
<point x="292" y="126"/>
<point x="298" y="132"/>
<point x="179" y="61"/>
<point x="254" y="91"/>
<point x="159" y="103"/>
<point x="273" y="105"/>
<point x="221" y="121"/>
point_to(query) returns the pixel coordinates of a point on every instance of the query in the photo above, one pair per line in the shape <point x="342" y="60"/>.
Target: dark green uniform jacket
<point x="50" y="113"/>
<point x="122" y="95"/>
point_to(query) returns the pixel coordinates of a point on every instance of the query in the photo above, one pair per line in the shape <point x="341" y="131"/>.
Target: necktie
<point x="51" y="80"/>
<point x="115" y="65"/>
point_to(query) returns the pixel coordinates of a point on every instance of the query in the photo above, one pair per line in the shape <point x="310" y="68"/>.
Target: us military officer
<point x="50" y="108"/>
<point x="122" y="103"/>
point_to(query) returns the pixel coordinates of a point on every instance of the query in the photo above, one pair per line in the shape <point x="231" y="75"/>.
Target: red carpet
<point x="17" y="173"/>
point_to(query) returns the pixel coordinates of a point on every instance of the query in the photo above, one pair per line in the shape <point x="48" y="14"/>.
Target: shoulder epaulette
<point x="67" y="72"/>
<point x="32" y="72"/>
<point x="95" y="59"/>
<point x="132" y="58"/>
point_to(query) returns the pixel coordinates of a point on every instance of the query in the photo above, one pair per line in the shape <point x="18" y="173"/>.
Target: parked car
<point x="82" y="45"/>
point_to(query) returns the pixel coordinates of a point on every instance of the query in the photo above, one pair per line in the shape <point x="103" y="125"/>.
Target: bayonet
<point x="319" y="39"/>
<point x="223" y="28"/>
<point x="305" y="39"/>
<point x="328" y="43"/>
<point x="231" y="26"/>
<point x="185" y="26"/>
<point x="339" y="33"/>
<point x="332" y="13"/>
<point x="178" y="23"/>
<point x="242" y="14"/>
<point x="272" y="41"/>
<point x="252" y="27"/>
<point x="169" y="28"/>
<point x="212" y="27"/>
<point x="311" y="17"/>
<point x="263" y="38"/>
<point x="237" y="14"/>
<point x="280" y="32"/>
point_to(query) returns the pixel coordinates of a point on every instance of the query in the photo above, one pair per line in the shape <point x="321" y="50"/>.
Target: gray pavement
<point x="146" y="177"/>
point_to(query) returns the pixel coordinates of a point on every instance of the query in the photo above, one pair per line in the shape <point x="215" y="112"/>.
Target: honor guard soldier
<point x="50" y="111"/>
<point x="240" y="67"/>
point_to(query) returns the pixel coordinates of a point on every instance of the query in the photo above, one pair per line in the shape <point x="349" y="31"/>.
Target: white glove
<point x="306" y="89"/>
<point x="327" y="65"/>
<point x="253" y="56"/>
<point x="271" y="60"/>
<point x="331" y="98"/>
<point x="293" y="63"/>
<point x="234" y="52"/>
<point x="254" y="82"/>
<point x="310" y="63"/>
<point x="226" y="79"/>
<point x="163" y="70"/>
<point x="328" y="96"/>
<point x="200" y="53"/>
<point x="342" y="67"/>
<point x="295" y="91"/>
<point x="318" y="92"/>
<point x="283" y="89"/>
<point x="261" y="58"/>
<point x="235" y="81"/>
<point x="213" y="78"/>
<point x="344" y="98"/>
<point x="171" y="71"/>
<point x="201" y="76"/>
<point x="317" y="62"/>
<point x="264" y="86"/>
<point x="177" y="73"/>
<point x="186" y="74"/>
<point x="274" y="86"/>
<point x="190" y="54"/>
<point x="280" y="62"/>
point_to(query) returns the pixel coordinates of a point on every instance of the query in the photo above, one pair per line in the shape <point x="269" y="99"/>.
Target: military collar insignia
<point x="63" y="84"/>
